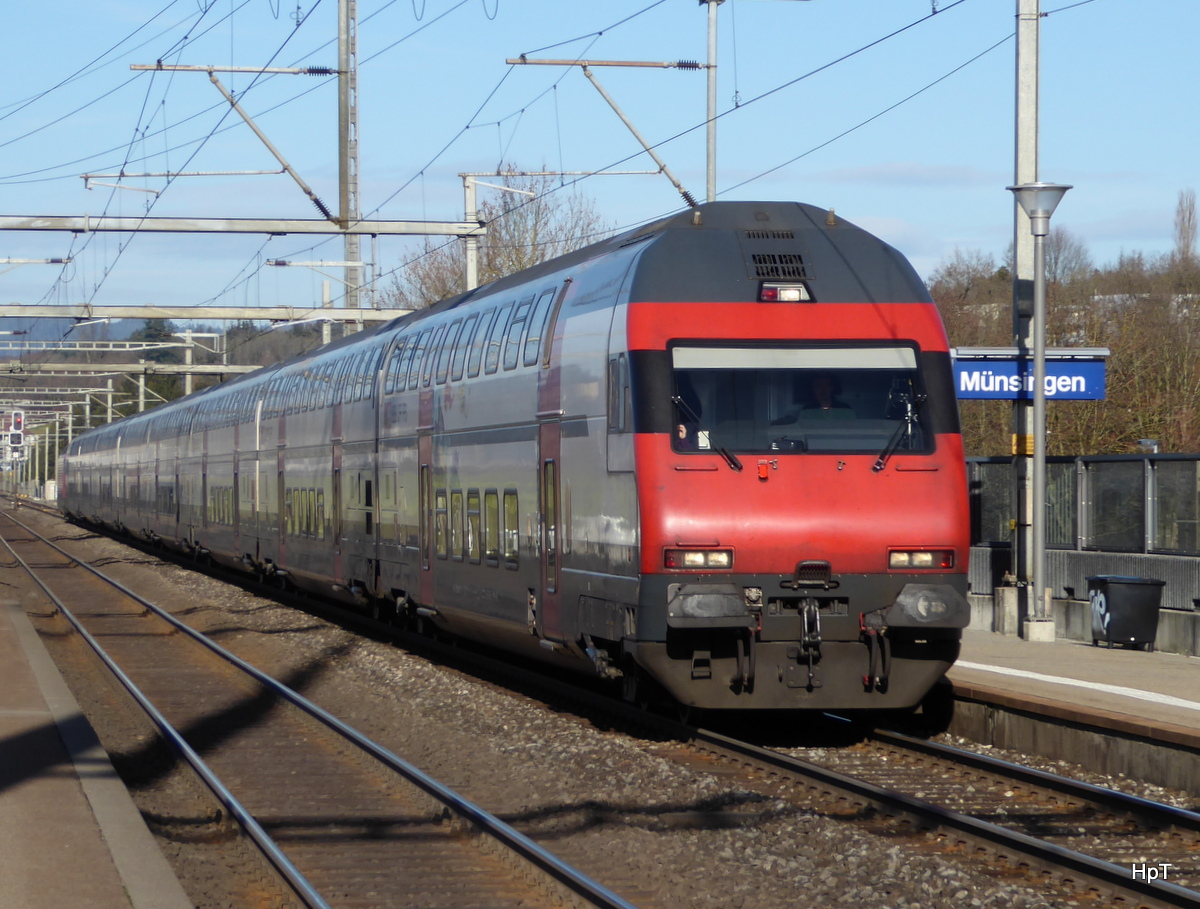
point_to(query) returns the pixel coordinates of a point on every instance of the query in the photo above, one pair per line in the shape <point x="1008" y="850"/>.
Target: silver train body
<point x="484" y="467"/>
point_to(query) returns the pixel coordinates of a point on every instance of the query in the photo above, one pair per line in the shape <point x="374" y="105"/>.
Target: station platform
<point x="1162" y="689"/>
<point x="1118" y="711"/>
<point x="69" y="833"/>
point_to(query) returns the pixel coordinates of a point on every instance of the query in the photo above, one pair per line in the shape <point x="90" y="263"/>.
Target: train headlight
<point x="709" y="559"/>
<point x="929" y="604"/>
<point x="921" y="559"/>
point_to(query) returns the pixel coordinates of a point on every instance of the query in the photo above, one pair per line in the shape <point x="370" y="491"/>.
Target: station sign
<point x="1003" y="374"/>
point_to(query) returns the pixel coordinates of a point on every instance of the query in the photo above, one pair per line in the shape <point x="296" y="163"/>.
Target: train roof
<point x="715" y="252"/>
<point x="689" y="256"/>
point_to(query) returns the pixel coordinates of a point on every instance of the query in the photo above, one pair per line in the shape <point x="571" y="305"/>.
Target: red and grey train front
<point x="803" y="506"/>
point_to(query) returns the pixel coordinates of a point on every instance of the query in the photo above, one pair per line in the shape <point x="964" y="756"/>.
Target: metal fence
<point x="1111" y="514"/>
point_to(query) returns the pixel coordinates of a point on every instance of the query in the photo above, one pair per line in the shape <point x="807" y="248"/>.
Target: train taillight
<point x="926" y="559"/>
<point x="783" y="293"/>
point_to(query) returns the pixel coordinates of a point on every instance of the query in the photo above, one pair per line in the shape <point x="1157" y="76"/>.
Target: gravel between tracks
<point x="603" y="800"/>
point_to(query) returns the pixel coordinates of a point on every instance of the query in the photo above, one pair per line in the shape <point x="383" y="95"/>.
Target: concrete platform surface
<point x="69" y="833"/>
<point x="1146" y="688"/>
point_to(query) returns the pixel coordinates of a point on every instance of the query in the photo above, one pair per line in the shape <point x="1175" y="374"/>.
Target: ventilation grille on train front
<point x="778" y="266"/>
<point x="770" y="235"/>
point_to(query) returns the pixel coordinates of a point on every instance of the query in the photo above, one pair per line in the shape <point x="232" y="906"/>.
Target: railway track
<point x="1088" y="845"/>
<point x="1106" y="846"/>
<point x="1048" y="831"/>
<point x="343" y="821"/>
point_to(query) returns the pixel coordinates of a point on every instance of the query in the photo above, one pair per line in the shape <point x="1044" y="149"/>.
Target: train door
<point x="204" y="516"/>
<point x="338" y="572"/>
<point x="425" y="529"/>
<point x="236" y="516"/>
<point x="284" y="508"/>
<point x="549" y="614"/>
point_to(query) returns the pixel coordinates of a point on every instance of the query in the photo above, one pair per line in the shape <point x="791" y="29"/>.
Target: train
<point x="716" y="459"/>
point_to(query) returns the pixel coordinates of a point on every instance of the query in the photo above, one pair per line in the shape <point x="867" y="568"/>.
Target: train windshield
<point x="757" y="400"/>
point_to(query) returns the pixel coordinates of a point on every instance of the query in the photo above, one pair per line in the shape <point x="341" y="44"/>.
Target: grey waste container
<point x="1124" y="610"/>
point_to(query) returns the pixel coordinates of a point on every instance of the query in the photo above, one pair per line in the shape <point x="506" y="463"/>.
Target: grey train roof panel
<point x="774" y="241"/>
<point x="688" y="256"/>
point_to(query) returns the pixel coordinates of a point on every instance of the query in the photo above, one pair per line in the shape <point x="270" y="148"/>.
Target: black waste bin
<point x="1124" y="610"/>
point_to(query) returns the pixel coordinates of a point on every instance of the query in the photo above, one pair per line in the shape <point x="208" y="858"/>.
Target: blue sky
<point x="910" y="136"/>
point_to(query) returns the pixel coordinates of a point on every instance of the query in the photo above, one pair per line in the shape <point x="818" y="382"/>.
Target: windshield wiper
<point x="730" y="458"/>
<point x="909" y="420"/>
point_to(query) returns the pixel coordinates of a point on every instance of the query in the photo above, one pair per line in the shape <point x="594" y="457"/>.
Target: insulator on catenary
<point x="687" y="64"/>
<point x="321" y="207"/>
<point x="320" y="71"/>
<point x="687" y="197"/>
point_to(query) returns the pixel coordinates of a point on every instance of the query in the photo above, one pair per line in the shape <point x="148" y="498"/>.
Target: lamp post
<point x="1038" y="200"/>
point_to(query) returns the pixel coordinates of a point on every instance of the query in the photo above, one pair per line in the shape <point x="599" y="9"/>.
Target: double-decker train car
<point x="716" y="456"/>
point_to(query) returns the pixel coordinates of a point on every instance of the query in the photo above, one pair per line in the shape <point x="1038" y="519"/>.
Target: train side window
<point x="311" y="398"/>
<point x="362" y="380"/>
<point x="280" y="408"/>
<point x="619" y="394"/>
<point x="492" y="361"/>
<point x="475" y="360"/>
<point x="337" y="375"/>
<point x="351" y="380"/>
<point x="439" y="523"/>
<point x="370" y="374"/>
<point x="320" y="514"/>
<point x="268" y="403"/>
<point x="512" y="529"/>
<point x="305" y="386"/>
<point x="287" y="403"/>
<point x="537" y="326"/>
<point x="473" y="525"/>
<point x="431" y="356"/>
<point x="456" y="524"/>
<point x="405" y="363"/>
<point x="394" y="361"/>
<point x="414" y="372"/>
<point x="491" y="527"/>
<point x="443" y="363"/>
<point x="460" y="349"/>
<point x="516" y="328"/>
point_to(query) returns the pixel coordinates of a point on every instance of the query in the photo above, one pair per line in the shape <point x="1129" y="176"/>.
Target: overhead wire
<point x="873" y="117"/>
<point x="20" y="105"/>
<point x="553" y="88"/>
<point x="179" y="45"/>
<point x="170" y="180"/>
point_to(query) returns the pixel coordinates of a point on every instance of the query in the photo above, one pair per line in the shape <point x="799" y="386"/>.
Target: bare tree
<point x="974" y="298"/>
<point x="1067" y="258"/>
<point x="524" y="229"/>
<point x="1185" y="227"/>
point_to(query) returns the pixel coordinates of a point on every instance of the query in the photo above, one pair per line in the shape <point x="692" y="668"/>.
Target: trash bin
<point x="1124" y="610"/>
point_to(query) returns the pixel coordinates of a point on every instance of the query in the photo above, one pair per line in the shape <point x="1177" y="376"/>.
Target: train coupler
<point x="811" y="642"/>
<point x="879" y="652"/>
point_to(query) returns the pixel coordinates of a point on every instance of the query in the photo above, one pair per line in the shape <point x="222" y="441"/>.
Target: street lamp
<point x="1039" y="200"/>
